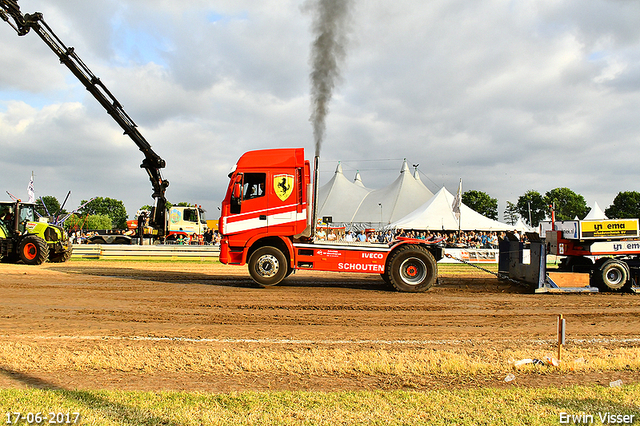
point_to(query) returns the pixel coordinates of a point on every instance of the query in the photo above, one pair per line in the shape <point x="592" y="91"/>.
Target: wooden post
<point x="561" y="335"/>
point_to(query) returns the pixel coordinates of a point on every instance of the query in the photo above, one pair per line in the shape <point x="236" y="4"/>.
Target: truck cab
<point x="186" y="221"/>
<point x="267" y="197"/>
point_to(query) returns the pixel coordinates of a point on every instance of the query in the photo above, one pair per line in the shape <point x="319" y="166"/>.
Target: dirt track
<point x="81" y="304"/>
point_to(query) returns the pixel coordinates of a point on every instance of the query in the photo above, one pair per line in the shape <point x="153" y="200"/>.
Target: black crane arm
<point x="152" y="163"/>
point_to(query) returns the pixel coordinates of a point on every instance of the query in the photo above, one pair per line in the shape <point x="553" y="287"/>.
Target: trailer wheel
<point x="268" y="266"/>
<point x="33" y="250"/>
<point x="412" y="269"/>
<point x="613" y="275"/>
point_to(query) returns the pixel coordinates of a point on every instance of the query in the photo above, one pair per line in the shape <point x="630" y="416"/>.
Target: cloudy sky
<point x="507" y="95"/>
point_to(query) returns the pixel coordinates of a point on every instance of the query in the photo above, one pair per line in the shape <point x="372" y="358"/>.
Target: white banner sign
<point x="476" y="255"/>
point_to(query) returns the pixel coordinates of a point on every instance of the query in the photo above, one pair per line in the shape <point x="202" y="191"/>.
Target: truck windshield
<point x="190" y="215"/>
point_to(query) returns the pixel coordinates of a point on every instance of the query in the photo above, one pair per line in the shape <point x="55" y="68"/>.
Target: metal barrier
<point x="159" y="252"/>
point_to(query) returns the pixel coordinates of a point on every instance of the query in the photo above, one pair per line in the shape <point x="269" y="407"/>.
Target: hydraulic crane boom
<point x="152" y="163"/>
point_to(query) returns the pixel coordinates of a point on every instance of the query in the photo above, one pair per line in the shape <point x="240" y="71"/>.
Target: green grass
<point x="510" y="406"/>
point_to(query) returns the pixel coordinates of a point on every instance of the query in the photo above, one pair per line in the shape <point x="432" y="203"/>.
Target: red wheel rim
<point x="30" y="251"/>
<point x="412" y="271"/>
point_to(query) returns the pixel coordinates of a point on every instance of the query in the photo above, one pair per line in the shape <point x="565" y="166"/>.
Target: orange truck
<point x="268" y="222"/>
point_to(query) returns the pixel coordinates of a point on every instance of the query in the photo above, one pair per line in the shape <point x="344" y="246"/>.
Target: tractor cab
<point x="10" y="211"/>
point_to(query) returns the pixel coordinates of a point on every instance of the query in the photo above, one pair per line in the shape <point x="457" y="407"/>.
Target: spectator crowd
<point x="450" y="239"/>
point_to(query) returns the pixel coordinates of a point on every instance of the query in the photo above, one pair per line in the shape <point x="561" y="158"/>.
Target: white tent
<point x="520" y="226"/>
<point x="340" y="198"/>
<point x="437" y="214"/>
<point x="595" y="213"/>
<point x="383" y="206"/>
<point x="358" y="180"/>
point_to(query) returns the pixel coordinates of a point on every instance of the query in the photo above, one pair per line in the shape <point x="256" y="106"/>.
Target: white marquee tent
<point x="340" y="198"/>
<point x="595" y="213"/>
<point x="352" y="204"/>
<point x="385" y="205"/>
<point x="437" y="214"/>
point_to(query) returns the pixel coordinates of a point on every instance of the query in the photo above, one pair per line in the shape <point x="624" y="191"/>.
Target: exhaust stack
<point x="314" y="205"/>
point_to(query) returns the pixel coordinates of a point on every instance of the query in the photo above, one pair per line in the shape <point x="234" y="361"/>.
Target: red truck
<point x="267" y="221"/>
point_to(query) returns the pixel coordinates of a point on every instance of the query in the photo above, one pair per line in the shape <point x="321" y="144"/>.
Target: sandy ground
<point x="81" y="304"/>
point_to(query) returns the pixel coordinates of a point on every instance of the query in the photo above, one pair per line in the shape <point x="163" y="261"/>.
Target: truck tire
<point x="268" y="266"/>
<point x="33" y="250"/>
<point x="612" y="275"/>
<point x="412" y="269"/>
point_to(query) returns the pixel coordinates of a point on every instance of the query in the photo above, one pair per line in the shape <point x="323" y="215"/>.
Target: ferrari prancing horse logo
<point x="283" y="186"/>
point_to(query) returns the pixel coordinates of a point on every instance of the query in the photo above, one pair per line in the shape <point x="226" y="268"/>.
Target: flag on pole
<point x="457" y="201"/>
<point x="30" y="191"/>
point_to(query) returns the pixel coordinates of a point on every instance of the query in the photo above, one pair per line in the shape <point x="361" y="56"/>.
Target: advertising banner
<point x="610" y="228"/>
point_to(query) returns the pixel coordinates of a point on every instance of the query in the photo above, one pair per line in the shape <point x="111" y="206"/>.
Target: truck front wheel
<point x="613" y="275"/>
<point x="33" y="250"/>
<point x="268" y="266"/>
<point x="412" y="269"/>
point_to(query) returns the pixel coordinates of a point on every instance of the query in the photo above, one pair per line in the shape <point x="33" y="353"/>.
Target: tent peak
<point x="405" y="167"/>
<point x="358" y="179"/>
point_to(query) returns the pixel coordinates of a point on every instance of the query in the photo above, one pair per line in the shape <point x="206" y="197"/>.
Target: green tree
<point x="531" y="205"/>
<point x="99" y="221"/>
<point x="167" y="206"/>
<point x="52" y="205"/>
<point x="114" y="209"/>
<point x="568" y="204"/>
<point x="511" y="213"/>
<point x="75" y="222"/>
<point x="481" y="202"/>
<point x="626" y="205"/>
<point x="92" y="221"/>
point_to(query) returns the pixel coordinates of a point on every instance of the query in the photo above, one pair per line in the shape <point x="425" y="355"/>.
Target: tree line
<point x="533" y="207"/>
<point x="98" y="214"/>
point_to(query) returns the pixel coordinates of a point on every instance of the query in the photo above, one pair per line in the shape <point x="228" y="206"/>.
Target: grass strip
<point x="303" y="360"/>
<point x="488" y="406"/>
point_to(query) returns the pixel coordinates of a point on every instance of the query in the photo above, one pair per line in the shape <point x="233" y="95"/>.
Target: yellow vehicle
<point x="22" y="238"/>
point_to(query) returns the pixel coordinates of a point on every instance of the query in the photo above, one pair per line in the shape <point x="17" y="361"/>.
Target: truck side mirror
<point x="237" y="190"/>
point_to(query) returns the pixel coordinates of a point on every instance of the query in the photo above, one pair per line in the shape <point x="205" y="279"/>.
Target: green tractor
<point x="22" y="238"/>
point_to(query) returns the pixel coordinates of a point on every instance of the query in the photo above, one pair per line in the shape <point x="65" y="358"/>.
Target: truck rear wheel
<point x="412" y="269"/>
<point x="33" y="250"/>
<point x="613" y="275"/>
<point x="268" y="266"/>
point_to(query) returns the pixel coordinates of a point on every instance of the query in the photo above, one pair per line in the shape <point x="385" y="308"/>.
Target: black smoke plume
<point x="330" y="18"/>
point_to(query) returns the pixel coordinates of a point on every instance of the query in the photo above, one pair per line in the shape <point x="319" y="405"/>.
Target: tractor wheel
<point x="612" y="275"/>
<point x="60" y="257"/>
<point x="412" y="269"/>
<point x="33" y="250"/>
<point x="268" y="266"/>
